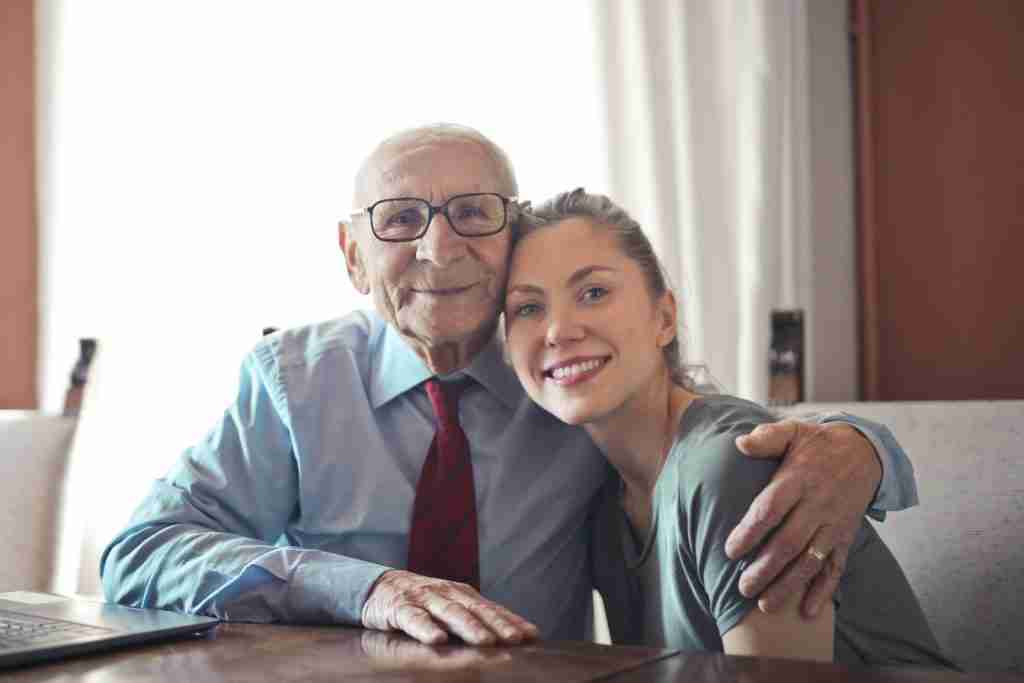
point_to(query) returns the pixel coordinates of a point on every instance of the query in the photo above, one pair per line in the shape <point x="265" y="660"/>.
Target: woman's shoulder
<point x="705" y="457"/>
<point x="713" y="422"/>
<point x="711" y="414"/>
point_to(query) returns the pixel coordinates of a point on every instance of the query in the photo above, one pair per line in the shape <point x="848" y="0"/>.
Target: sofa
<point x="962" y="548"/>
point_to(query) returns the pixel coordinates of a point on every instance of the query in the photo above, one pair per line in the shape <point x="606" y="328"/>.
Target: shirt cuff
<point x="295" y="585"/>
<point x="334" y="586"/>
<point x="897" y="489"/>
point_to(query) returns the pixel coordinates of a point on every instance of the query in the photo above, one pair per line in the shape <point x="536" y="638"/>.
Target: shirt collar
<point x="494" y="374"/>
<point x="400" y="369"/>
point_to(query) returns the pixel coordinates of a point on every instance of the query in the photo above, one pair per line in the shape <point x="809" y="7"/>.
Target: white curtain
<point x="710" y="142"/>
<point x="195" y="157"/>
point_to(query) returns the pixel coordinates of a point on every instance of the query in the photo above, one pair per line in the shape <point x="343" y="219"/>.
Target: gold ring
<point x="816" y="554"/>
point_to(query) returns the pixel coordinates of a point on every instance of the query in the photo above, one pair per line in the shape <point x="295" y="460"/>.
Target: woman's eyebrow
<point x="524" y="289"/>
<point x="585" y="272"/>
<point x="581" y="274"/>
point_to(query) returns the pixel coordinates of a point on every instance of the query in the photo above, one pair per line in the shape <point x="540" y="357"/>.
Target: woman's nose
<point x="563" y="328"/>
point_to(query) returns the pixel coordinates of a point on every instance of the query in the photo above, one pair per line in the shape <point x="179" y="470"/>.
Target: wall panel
<point x="18" y="232"/>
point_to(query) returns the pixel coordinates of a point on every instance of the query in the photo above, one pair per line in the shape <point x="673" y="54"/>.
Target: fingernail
<point x="813" y="609"/>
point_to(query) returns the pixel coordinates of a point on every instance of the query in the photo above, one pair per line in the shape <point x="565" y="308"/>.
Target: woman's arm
<point x="783" y="633"/>
<point x="716" y="485"/>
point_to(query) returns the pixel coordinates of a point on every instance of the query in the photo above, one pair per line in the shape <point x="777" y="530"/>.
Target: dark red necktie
<point x="443" y="537"/>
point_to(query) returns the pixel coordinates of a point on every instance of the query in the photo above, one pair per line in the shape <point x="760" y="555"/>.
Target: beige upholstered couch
<point x="962" y="548"/>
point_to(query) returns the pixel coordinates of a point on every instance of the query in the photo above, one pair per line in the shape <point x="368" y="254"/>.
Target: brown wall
<point x="18" y="233"/>
<point x="941" y="123"/>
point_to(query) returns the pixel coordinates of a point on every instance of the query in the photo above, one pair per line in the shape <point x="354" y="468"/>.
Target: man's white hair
<point x="435" y="133"/>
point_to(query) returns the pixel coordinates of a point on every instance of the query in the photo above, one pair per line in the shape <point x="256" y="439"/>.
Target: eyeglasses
<point x="403" y="219"/>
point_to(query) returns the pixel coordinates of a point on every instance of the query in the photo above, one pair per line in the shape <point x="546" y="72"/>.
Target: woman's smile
<point x="575" y="370"/>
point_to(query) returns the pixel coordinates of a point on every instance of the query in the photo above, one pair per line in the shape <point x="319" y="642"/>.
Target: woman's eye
<point x="594" y="293"/>
<point x="525" y="310"/>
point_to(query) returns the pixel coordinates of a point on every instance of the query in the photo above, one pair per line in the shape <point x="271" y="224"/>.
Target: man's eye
<point x="469" y="212"/>
<point x="404" y="218"/>
<point x="594" y="293"/>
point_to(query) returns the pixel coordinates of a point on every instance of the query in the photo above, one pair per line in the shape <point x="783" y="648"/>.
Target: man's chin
<point x="437" y="331"/>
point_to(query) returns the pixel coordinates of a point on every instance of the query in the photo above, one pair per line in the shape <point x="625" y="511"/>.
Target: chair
<point x="33" y="460"/>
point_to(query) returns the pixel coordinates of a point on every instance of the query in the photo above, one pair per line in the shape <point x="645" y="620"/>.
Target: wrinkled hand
<point x="429" y="609"/>
<point x="821" y="491"/>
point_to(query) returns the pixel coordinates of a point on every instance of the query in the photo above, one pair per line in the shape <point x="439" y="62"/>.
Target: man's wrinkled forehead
<point x="408" y="167"/>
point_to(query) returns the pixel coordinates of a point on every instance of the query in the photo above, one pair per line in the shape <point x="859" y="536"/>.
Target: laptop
<point x="36" y="627"/>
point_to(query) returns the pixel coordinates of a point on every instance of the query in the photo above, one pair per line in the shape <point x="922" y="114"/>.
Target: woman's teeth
<point x="566" y="371"/>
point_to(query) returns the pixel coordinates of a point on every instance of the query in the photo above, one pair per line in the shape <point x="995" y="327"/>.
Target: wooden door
<point x="940" y="100"/>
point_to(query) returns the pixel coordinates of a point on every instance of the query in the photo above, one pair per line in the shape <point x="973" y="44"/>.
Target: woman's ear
<point x="667" y="317"/>
<point x="353" y="259"/>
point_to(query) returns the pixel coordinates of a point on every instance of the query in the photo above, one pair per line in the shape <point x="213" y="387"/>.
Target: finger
<point x="457" y="619"/>
<point x="766" y="512"/>
<point x="418" y="623"/>
<point x="800" y="573"/>
<point x="509" y="627"/>
<point x="826" y="582"/>
<point x="502" y="621"/>
<point x="784" y="546"/>
<point x="769" y="440"/>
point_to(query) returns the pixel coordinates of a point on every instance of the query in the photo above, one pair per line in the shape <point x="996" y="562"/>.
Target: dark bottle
<point x="786" y="358"/>
<point x="79" y="377"/>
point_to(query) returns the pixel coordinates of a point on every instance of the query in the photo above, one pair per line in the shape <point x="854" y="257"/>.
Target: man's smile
<point x="444" y="291"/>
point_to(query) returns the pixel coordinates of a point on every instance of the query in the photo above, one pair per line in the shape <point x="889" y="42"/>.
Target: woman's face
<point x="583" y="333"/>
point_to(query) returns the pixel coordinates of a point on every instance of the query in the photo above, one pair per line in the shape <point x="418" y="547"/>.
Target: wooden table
<point x="252" y="652"/>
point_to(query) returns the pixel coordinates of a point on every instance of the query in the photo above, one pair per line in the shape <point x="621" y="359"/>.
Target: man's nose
<point x="563" y="328"/>
<point x="440" y="245"/>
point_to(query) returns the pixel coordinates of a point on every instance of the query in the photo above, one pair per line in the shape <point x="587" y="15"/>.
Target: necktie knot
<point x="444" y="398"/>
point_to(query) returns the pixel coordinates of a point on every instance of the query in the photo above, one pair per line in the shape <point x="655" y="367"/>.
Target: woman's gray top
<point x="677" y="588"/>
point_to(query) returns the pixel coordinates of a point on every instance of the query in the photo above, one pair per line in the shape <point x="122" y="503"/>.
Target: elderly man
<point x="386" y="469"/>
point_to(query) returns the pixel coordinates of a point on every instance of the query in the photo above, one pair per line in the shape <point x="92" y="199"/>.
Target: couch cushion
<point x="963" y="548"/>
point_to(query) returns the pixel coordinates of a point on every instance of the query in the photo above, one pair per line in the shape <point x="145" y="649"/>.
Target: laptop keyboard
<point x="22" y="630"/>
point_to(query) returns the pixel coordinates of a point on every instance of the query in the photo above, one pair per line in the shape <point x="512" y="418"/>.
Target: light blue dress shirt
<point x="300" y="497"/>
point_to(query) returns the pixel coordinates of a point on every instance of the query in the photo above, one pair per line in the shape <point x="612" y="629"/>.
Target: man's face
<point x="442" y="288"/>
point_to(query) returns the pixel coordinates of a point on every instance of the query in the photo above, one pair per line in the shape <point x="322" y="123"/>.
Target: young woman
<point x="591" y="331"/>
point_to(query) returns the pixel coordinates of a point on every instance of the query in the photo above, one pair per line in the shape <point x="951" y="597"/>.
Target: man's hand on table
<point x="429" y="609"/>
<point x="826" y="482"/>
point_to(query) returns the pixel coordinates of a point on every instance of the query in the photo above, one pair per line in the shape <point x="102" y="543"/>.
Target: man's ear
<point x="667" y="318"/>
<point x="353" y="259"/>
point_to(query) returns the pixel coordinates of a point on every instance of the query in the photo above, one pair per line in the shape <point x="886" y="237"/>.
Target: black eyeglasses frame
<point x="439" y="209"/>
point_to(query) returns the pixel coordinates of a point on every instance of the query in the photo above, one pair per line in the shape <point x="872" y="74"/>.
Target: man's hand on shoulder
<point x="429" y="609"/>
<point x="819" y="495"/>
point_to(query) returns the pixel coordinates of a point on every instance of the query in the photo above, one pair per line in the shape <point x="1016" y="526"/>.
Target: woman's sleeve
<point x="717" y="485"/>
